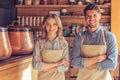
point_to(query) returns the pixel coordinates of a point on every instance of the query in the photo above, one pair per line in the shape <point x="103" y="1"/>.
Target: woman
<point x="51" y="52"/>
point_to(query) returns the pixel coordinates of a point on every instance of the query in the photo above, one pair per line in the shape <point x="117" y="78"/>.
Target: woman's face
<point x="92" y="18"/>
<point x="51" y="26"/>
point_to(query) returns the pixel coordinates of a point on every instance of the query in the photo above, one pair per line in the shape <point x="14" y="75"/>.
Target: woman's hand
<point x="64" y="62"/>
<point x="39" y="59"/>
<point x="92" y="66"/>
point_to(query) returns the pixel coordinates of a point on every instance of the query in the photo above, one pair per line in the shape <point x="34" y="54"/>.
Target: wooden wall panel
<point x="115" y="20"/>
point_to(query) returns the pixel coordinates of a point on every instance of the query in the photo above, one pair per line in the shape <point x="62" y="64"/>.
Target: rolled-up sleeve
<point x="36" y="53"/>
<point x="76" y="60"/>
<point x="65" y="55"/>
<point x="112" y="54"/>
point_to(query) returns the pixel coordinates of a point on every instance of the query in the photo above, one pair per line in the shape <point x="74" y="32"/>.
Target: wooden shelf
<point x="56" y="6"/>
<point x="68" y="20"/>
<point x="69" y="38"/>
<point x="74" y="19"/>
<point x="82" y="17"/>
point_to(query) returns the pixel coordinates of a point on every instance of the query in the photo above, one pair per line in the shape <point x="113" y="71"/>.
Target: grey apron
<point x="91" y="51"/>
<point x="50" y="56"/>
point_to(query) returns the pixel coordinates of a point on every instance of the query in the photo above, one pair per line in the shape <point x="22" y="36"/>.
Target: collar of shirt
<point x="55" y="40"/>
<point x="93" y="34"/>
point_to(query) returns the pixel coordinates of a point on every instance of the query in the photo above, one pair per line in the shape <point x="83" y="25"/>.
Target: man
<point x="95" y="50"/>
<point x="7" y="12"/>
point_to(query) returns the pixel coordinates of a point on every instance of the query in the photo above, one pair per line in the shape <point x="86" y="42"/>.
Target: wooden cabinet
<point x="16" y="68"/>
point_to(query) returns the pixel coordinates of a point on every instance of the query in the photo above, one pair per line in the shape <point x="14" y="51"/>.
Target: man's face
<point x="92" y="18"/>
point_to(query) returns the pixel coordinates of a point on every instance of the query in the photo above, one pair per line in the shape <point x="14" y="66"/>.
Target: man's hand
<point x="94" y="60"/>
<point x="102" y="57"/>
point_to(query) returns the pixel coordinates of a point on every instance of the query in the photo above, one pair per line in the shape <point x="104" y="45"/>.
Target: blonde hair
<point x="59" y="23"/>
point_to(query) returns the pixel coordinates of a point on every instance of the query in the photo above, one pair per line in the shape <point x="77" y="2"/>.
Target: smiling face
<point x="92" y="19"/>
<point x="51" y="26"/>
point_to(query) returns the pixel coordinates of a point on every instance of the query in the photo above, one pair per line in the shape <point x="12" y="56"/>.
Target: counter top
<point x="14" y="61"/>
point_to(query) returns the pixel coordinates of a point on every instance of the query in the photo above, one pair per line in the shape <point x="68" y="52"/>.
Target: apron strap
<point x="62" y="42"/>
<point x="41" y="44"/>
<point x="82" y="39"/>
<point x="103" y="34"/>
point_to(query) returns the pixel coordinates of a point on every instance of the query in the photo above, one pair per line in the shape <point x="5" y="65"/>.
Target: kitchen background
<point x="30" y="14"/>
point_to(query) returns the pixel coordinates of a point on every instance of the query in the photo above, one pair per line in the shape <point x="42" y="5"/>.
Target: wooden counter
<point x="16" y="68"/>
<point x="19" y="68"/>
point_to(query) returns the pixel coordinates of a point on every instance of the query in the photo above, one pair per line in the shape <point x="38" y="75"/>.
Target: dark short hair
<point x="92" y="7"/>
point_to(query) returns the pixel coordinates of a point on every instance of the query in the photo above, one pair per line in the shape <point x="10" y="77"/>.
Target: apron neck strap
<point x="42" y="44"/>
<point x="82" y="38"/>
<point x="62" y="42"/>
<point x="103" y="35"/>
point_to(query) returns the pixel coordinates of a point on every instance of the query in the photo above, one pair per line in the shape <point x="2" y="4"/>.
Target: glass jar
<point x="97" y="2"/>
<point x="64" y="12"/>
<point x="87" y="2"/>
<point x="72" y="2"/>
<point x="45" y="2"/>
<point x="20" y="2"/>
<point x="73" y="32"/>
<point x="79" y="2"/>
<point x="36" y="2"/>
<point x="53" y="2"/>
<point x="65" y="32"/>
<point x="28" y="2"/>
